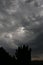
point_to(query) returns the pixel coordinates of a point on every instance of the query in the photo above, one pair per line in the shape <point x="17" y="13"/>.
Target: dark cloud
<point x="37" y="45"/>
<point x="21" y="20"/>
<point x="28" y="1"/>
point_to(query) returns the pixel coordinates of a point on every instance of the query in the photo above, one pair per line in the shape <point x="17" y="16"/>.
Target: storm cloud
<point x="21" y="20"/>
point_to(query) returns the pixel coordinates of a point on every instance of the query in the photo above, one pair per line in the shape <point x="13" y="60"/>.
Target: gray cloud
<point x="37" y="46"/>
<point x="21" y="20"/>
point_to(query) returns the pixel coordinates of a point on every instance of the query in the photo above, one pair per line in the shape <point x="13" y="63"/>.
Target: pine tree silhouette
<point x="23" y="55"/>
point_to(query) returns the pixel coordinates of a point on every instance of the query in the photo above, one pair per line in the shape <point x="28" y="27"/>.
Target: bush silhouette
<point x="23" y="55"/>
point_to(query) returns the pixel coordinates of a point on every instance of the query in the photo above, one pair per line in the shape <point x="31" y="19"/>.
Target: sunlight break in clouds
<point x="20" y="31"/>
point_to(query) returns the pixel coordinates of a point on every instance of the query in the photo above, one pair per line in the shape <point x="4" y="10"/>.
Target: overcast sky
<point x="22" y="20"/>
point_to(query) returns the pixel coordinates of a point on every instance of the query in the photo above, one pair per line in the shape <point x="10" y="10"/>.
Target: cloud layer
<point x="21" y="20"/>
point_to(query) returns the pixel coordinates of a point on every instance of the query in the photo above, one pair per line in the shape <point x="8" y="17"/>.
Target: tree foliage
<point x="23" y="55"/>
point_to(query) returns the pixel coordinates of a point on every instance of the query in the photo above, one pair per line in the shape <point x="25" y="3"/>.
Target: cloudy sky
<point x="21" y="22"/>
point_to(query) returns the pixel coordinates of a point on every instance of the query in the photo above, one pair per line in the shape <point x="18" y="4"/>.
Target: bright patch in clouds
<point x="20" y="31"/>
<point x="41" y="6"/>
<point x="9" y="35"/>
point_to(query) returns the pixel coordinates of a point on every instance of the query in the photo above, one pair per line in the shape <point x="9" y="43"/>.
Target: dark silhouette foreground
<point x="22" y="57"/>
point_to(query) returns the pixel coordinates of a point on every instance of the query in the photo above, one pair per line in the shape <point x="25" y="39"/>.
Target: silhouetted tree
<point x="23" y="55"/>
<point x="5" y="58"/>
